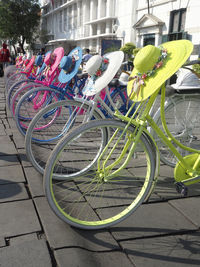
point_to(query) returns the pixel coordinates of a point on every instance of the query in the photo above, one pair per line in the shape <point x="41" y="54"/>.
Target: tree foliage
<point x="128" y="49"/>
<point x="19" y="19"/>
<point x="196" y="68"/>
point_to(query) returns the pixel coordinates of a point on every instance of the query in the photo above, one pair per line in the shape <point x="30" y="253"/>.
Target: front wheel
<point x="92" y="199"/>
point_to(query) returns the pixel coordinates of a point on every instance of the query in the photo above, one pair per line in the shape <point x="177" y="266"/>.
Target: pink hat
<point x="58" y="54"/>
<point x="30" y="64"/>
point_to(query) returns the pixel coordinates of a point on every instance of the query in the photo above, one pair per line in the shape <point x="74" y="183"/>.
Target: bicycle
<point x="101" y="105"/>
<point x="39" y="143"/>
<point x="46" y="77"/>
<point x="30" y="82"/>
<point x="110" y="167"/>
<point x="26" y="71"/>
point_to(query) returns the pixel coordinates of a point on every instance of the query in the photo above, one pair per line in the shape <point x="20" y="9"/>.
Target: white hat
<point x="186" y="80"/>
<point x="123" y="78"/>
<point x="101" y="70"/>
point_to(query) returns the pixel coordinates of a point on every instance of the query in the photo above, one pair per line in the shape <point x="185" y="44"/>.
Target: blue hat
<point x="38" y="60"/>
<point x="70" y="64"/>
<point x="43" y="64"/>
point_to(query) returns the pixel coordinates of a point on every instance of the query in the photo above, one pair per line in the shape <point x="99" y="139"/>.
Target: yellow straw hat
<point x="154" y="65"/>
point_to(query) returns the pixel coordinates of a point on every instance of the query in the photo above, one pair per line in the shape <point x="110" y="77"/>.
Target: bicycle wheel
<point x="10" y="70"/>
<point x="182" y="114"/>
<point x="50" y="125"/>
<point x="32" y="102"/>
<point x="90" y="199"/>
<point x="20" y="86"/>
<point x="14" y="78"/>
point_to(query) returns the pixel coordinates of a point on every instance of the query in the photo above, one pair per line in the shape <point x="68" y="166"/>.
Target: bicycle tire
<point x="14" y="78"/>
<point x="25" y="84"/>
<point x="88" y="201"/>
<point x="39" y="143"/>
<point x="182" y="114"/>
<point x="27" y="107"/>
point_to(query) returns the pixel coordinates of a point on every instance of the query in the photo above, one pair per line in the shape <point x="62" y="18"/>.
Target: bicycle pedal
<point x="181" y="189"/>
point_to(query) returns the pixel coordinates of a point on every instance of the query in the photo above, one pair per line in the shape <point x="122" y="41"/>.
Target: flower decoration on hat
<point x="101" y="69"/>
<point x="139" y="79"/>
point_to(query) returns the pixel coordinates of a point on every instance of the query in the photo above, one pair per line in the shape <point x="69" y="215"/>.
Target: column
<point x="109" y="8"/>
<point x="92" y="9"/>
<point x="78" y="14"/>
<point x="99" y="11"/>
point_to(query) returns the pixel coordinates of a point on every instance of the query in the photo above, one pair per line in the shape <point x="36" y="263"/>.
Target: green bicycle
<point x="110" y="167"/>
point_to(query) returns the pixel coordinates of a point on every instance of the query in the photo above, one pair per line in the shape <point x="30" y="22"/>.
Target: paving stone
<point x="189" y="207"/>
<point x="166" y="171"/>
<point x="60" y="234"/>
<point x="21" y="239"/>
<point x="78" y="257"/>
<point x="18" y="140"/>
<point x="165" y="251"/>
<point x="149" y="220"/>
<point x="9" y="160"/>
<point x="7" y="146"/>
<point x="2" y="130"/>
<point x="23" y="158"/>
<point x="28" y="254"/>
<point x="2" y="243"/>
<point x="13" y="191"/>
<point x="166" y="190"/>
<point x="18" y="218"/>
<point x="11" y="174"/>
<point x="35" y="181"/>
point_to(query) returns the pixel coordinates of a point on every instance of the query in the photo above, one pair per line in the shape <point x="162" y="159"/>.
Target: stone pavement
<point x="163" y="232"/>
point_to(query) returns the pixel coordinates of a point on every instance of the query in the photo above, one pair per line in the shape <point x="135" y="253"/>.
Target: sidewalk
<point x="164" y="232"/>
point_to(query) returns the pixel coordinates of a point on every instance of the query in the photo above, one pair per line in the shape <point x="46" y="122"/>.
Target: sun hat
<point x="30" y="64"/>
<point x="70" y="65"/>
<point x="123" y="78"/>
<point x="154" y="65"/>
<point x="52" y="60"/>
<point x="186" y="80"/>
<point x="101" y="70"/>
<point x="38" y="60"/>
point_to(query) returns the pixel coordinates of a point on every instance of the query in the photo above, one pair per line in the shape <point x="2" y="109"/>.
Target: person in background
<point x="4" y="56"/>
<point x="86" y="56"/>
<point x="42" y="51"/>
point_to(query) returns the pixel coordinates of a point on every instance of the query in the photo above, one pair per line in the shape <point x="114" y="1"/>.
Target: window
<point x="149" y="39"/>
<point x="177" y="26"/>
<point x="177" y="20"/>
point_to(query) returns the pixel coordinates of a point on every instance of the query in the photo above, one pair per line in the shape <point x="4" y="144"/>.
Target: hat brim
<point x="66" y="77"/>
<point x="181" y="87"/>
<point x="177" y="53"/>
<point x="115" y="60"/>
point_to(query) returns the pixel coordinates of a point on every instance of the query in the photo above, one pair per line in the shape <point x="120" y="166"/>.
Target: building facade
<point x="91" y="23"/>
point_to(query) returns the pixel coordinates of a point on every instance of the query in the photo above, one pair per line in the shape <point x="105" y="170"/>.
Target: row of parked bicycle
<point x="59" y="111"/>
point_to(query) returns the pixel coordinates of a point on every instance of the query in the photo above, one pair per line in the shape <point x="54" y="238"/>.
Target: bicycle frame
<point x="139" y="119"/>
